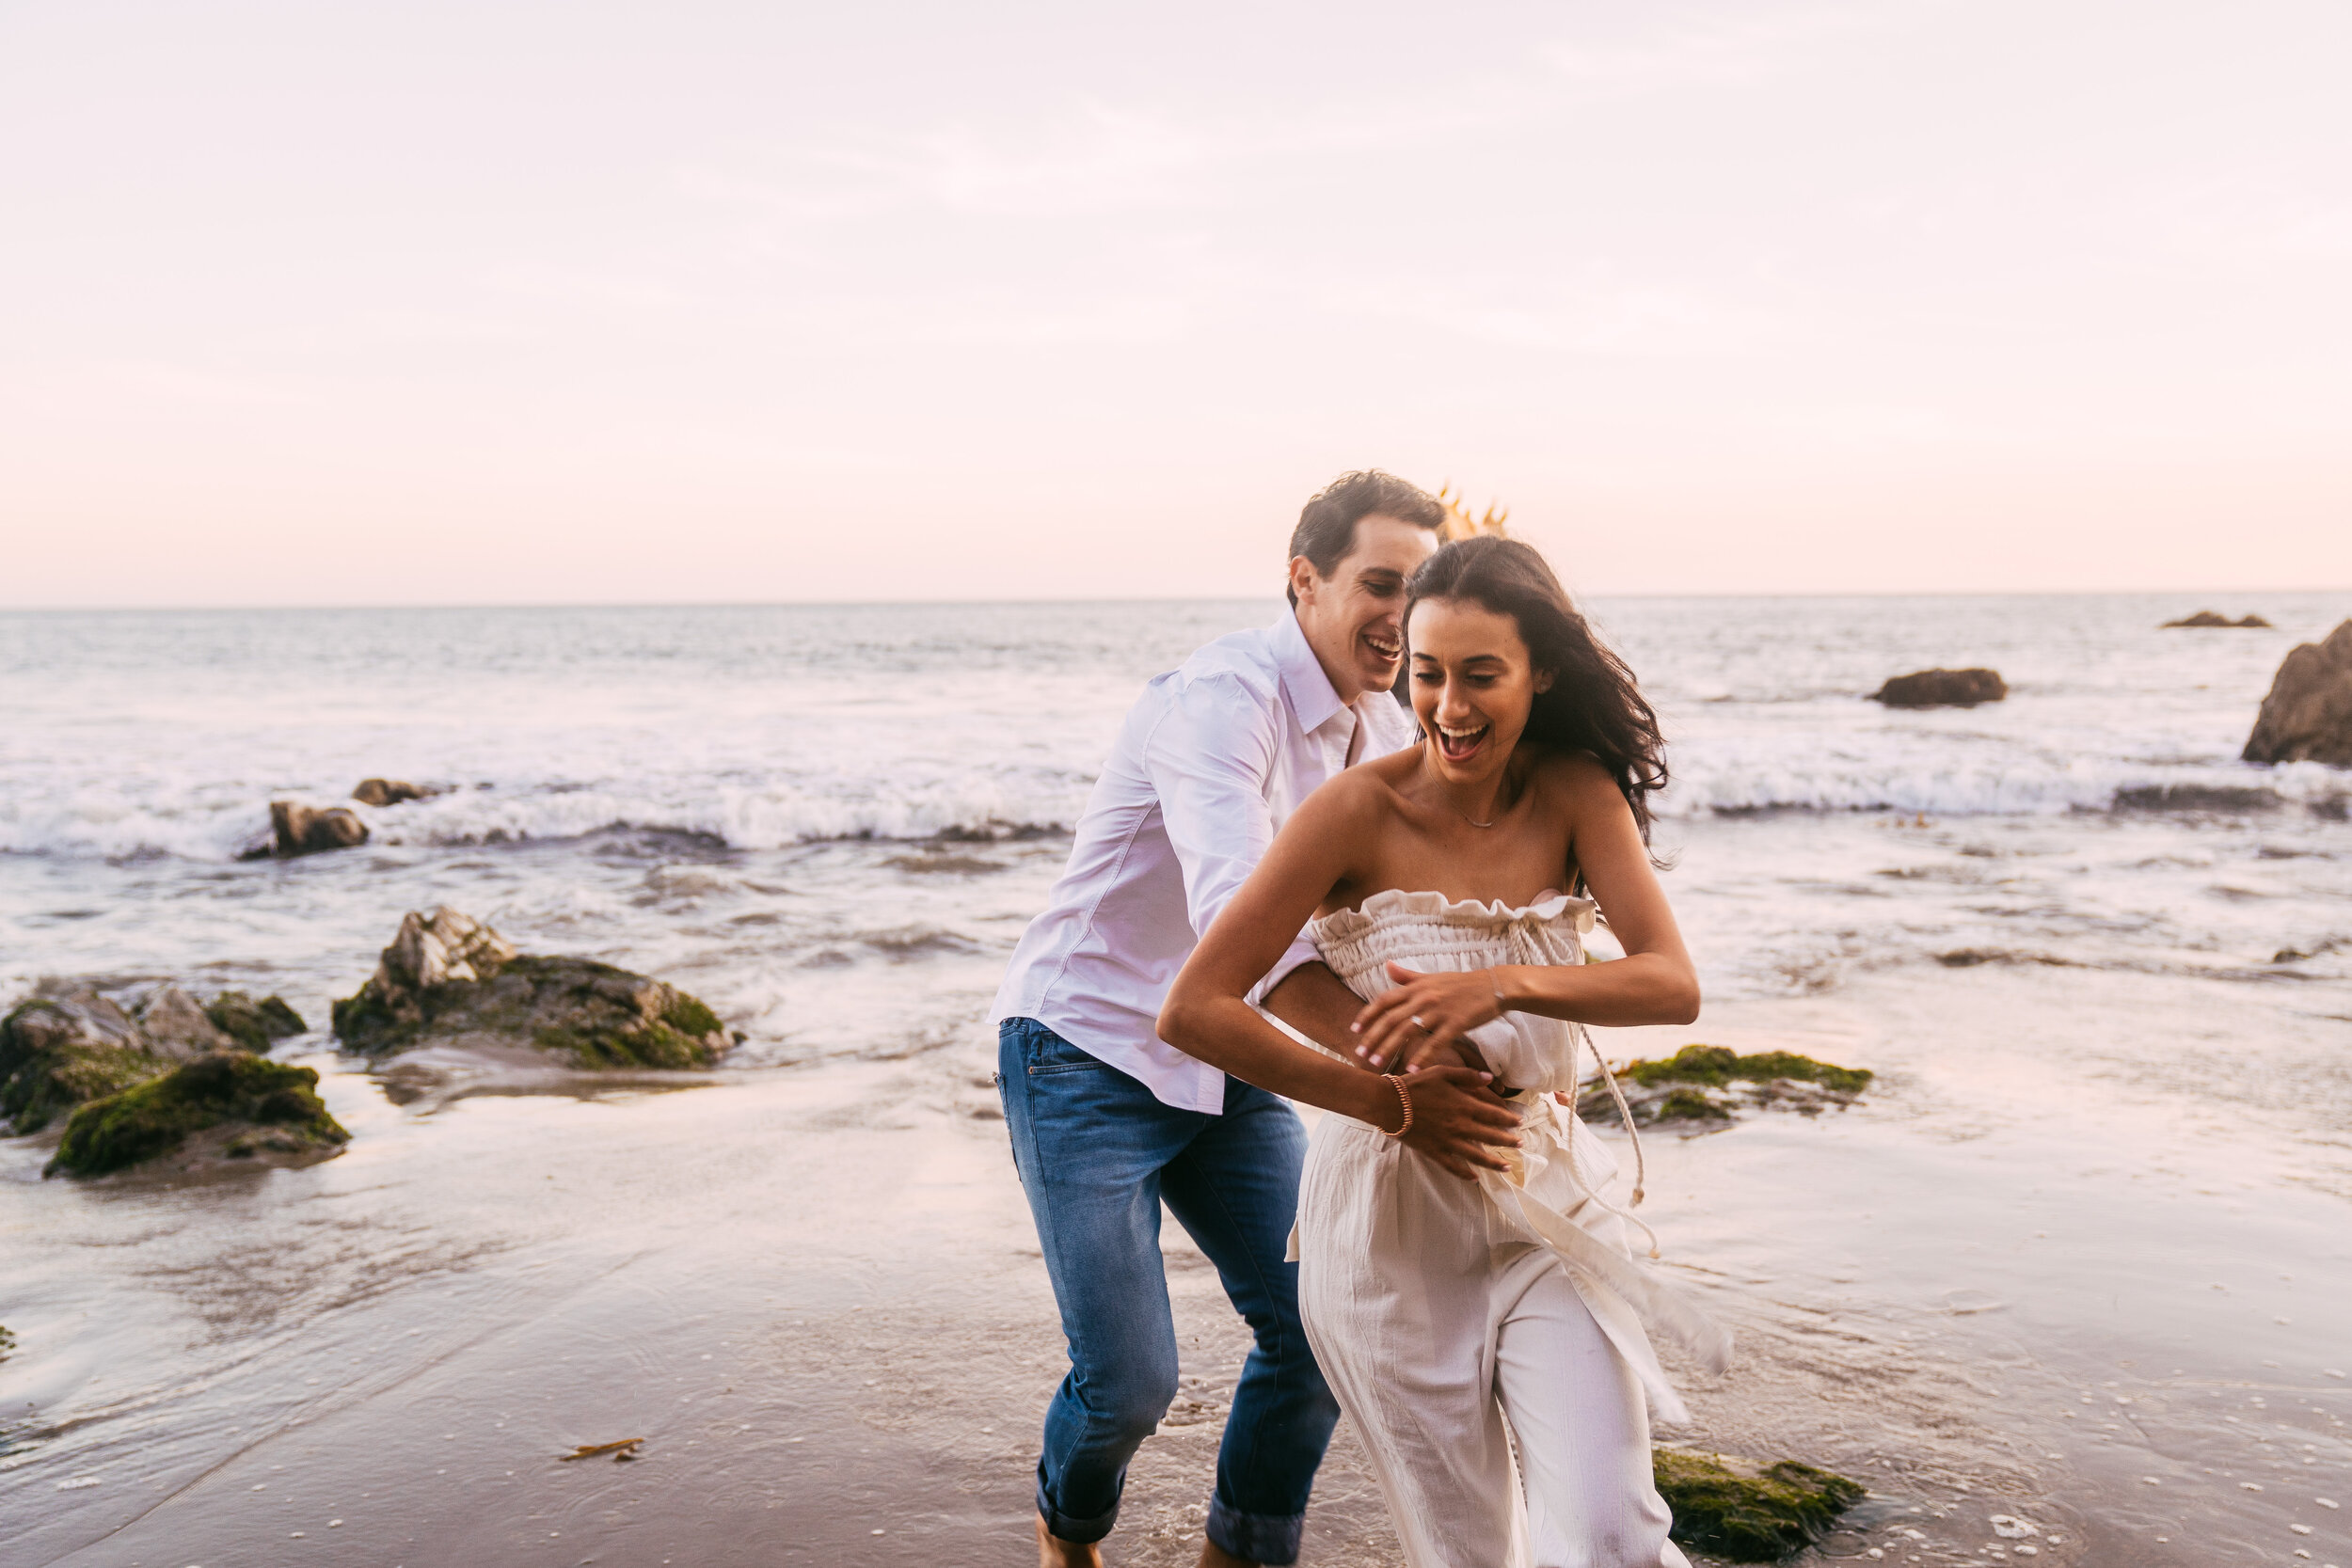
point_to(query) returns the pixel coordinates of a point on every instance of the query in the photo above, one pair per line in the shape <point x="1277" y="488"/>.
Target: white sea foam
<point x="1963" y="786"/>
<point x="744" y="818"/>
<point x="2097" y="819"/>
<point x="1726" y="778"/>
<point x="767" y="728"/>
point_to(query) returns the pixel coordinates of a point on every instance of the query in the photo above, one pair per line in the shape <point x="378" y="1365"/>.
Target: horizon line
<point x="1092" y="599"/>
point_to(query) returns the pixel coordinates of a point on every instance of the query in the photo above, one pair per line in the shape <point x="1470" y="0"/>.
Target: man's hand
<point x="1458" y="1121"/>
<point x="1417" y="1021"/>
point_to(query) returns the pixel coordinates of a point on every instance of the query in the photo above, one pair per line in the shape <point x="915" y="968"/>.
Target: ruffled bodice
<point x="1430" y="932"/>
<point x="1552" y="1193"/>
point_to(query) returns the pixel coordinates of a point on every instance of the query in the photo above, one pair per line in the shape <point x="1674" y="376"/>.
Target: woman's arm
<point x="1654" y="983"/>
<point x="1456" y="1120"/>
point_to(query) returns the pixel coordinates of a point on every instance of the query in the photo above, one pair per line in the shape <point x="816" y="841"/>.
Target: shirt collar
<point x="1312" y="700"/>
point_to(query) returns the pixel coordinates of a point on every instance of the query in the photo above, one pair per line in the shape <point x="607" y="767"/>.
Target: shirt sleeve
<point x="1208" y="760"/>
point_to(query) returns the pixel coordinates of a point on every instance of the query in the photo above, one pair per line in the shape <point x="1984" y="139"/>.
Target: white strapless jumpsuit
<point x="1458" y="1322"/>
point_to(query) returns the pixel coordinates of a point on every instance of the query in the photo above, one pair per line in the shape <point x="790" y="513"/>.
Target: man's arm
<point x="1456" y="1119"/>
<point x="1317" y="1003"/>
<point x="1208" y="760"/>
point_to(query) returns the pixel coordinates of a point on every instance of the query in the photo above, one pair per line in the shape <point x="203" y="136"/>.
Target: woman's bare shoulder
<point x="1575" y="780"/>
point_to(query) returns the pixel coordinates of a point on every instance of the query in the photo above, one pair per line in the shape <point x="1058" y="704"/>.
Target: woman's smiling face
<point x="1473" y="683"/>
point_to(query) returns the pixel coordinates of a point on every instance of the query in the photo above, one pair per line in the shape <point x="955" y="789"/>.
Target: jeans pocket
<point x="1048" y="1054"/>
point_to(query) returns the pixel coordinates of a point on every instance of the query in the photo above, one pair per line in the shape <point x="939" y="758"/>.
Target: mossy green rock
<point x="1757" y="1518"/>
<point x="1708" y="1086"/>
<point x="1689" y="1105"/>
<point x="65" y="1047"/>
<point x="280" y="1102"/>
<point x="1716" y="1065"/>
<point x="449" y="979"/>
<point x="255" y="1026"/>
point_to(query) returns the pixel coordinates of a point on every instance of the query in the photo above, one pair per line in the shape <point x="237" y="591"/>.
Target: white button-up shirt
<point x="1211" y="760"/>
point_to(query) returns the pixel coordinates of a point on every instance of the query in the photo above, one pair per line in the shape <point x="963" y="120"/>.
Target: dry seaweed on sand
<point x="7" y="1343"/>
<point x="280" y="1102"/>
<point x="1750" y="1518"/>
<point x="624" y="1449"/>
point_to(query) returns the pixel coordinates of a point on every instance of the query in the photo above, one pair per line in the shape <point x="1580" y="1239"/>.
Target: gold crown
<point x="1459" y="524"/>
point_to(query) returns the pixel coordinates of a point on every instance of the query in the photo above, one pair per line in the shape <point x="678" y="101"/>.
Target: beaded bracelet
<point x="1403" y="1098"/>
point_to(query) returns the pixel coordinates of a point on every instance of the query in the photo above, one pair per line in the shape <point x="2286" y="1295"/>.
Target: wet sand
<point x="818" y="1298"/>
<point x="2064" y="1263"/>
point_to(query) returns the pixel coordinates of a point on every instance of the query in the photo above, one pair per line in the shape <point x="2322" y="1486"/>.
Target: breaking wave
<point x="211" y="823"/>
<point x="1957" y="784"/>
<point x="201" y="827"/>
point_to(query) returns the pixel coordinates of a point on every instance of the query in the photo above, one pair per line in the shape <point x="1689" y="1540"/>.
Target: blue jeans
<point x="1098" y="1154"/>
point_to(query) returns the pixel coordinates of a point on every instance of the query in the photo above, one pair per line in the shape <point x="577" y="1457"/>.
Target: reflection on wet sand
<point x="817" y="1298"/>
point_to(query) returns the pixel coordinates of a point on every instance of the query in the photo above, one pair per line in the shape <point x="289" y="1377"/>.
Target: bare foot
<point x="1053" y="1552"/>
<point x="1214" y="1556"/>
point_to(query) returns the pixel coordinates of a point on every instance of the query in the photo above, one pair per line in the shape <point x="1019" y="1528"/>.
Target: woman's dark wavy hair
<point x="1594" y="704"/>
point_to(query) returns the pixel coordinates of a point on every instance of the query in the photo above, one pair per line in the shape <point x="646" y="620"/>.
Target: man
<point x="1109" y="1121"/>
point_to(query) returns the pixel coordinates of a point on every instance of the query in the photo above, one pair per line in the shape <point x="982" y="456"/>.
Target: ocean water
<point x="2080" y="1255"/>
<point x="834" y="821"/>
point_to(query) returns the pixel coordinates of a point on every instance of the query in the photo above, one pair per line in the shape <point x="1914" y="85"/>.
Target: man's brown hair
<point x="1326" y="525"/>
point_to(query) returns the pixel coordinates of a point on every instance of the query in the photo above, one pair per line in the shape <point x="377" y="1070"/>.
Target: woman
<point x="1442" y="1308"/>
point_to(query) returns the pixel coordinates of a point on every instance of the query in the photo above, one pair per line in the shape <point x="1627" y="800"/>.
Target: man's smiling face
<point x="1354" y="619"/>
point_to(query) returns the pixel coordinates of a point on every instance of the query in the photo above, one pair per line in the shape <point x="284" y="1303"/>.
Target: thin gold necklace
<point x="1472" y="820"/>
<point x="1466" y="816"/>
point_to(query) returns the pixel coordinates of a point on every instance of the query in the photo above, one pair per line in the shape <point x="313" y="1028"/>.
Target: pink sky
<point x="518" y="302"/>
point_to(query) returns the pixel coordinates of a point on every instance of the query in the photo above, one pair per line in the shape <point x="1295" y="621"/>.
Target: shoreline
<point x="815" y="1293"/>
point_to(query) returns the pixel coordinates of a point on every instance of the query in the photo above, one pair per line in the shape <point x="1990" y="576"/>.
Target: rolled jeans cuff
<point x="1255" y="1537"/>
<point x="1062" y="1527"/>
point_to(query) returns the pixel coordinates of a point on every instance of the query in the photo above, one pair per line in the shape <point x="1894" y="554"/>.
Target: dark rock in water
<point x="2208" y="618"/>
<point x="273" y="1108"/>
<point x="2308" y="715"/>
<point x="176" y="1027"/>
<point x="449" y="978"/>
<point x="1969" y="957"/>
<point x="430" y="954"/>
<point x="1677" y="1088"/>
<point x="64" y="1046"/>
<point x="254" y="1025"/>
<point x="1941" y="689"/>
<point x="299" y="829"/>
<point x="391" y="792"/>
<point x="2233" y="798"/>
<point x="1750" y="1518"/>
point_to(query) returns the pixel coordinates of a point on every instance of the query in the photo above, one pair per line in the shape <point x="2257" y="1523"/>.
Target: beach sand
<point x="818" y="1297"/>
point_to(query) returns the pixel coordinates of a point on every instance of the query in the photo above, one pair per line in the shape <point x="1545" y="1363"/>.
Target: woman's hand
<point x="1416" y="1022"/>
<point x="1459" y="1122"/>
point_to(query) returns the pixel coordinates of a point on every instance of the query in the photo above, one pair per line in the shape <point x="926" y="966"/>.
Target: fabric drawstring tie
<point x="1518" y="937"/>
